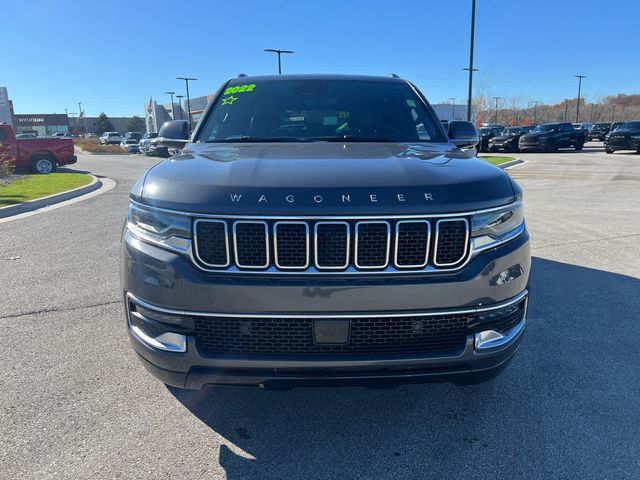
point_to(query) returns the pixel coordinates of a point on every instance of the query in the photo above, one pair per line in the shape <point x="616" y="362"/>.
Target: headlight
<point x="166" y="230"/>
<point x="493" y="228"/>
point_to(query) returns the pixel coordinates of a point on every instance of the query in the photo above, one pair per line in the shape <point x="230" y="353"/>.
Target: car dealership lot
<point x="75" y="403"/>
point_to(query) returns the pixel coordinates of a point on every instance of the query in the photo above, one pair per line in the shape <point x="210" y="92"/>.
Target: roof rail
<point x="394" y="75"/>
<point x="240" y="75"/>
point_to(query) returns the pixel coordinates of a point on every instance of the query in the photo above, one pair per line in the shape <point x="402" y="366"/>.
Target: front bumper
<point x="167" y="282"/>
<point x="71" y="160"/>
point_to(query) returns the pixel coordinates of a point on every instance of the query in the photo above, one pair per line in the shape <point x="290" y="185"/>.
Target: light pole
<point x="453" y="107"/>
<point x="180" y="97"/>
<point x="279" y="52"/>
<point x="173" y="114"/>
<point x="579" y="77"/>
<point x="186" y="81"/>
<point x="566" y="108"/>
<point x="496" y="99"/>
<point x="470" y="68"/>
<point x="535" y="113"/>
<point x="613" y="111"/>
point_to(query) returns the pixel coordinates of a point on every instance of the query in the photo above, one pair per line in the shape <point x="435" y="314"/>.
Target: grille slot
<point x="212" y="242"/>
<point x="332" y="245"/>
<point x="372" y="244"/>
<point x="452" y="240"/>
<point x="291" y="244"/>
<point x="251" y="242"/>
<point x="412" y="243"/>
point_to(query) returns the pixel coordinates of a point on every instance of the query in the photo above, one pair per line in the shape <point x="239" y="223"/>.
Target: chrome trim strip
<point x="266" y="243"/>
<point x="170" y="338"/>
<point x="329" y="217"/>
<point x="226" y="242"/>
<point x="275" y="245"/>
<point x="388" y="247"/>
<point x="506" y="303"/>
<point x="426" y="254"/>
<point x="466" y="242"/>
<point x="476" y="248"/>
<point x="490" y="339"/>
<point x="315" y="247"/>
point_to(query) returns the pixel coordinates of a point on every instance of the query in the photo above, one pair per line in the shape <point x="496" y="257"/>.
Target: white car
<point x="108" y="138"/>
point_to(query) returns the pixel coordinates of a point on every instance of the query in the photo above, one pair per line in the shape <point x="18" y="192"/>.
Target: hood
<point x="324" y="178"/>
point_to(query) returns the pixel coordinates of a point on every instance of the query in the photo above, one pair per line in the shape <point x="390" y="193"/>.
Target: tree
<point x="104" y="124"/>
<point x="136" y="124"/>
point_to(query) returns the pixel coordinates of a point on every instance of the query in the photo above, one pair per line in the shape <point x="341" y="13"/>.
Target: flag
<point x="150" y="106"/>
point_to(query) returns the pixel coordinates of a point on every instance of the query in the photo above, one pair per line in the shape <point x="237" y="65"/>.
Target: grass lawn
<point x="36" y="186"/>
<point x="496" y="160"/>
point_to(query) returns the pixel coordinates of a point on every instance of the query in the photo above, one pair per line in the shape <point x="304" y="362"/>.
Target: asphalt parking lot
<point x="75" y="403"/>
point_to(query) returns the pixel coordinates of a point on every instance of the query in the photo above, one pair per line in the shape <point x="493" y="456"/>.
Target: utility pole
<point x="173" y="113"/>
<point x="453" y="107"/>
<point x="279" y="52"/>
<point x="579" y="77"/>
<point x="186" y="81"/>
<point x="470" y="68"/>
<point x="180" y="97"/>
<point x="496" y="118"/>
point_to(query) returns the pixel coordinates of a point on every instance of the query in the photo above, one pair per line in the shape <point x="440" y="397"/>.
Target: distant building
<point x="5" y="108"/>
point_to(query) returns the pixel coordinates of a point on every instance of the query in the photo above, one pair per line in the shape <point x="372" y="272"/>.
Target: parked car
<point x="110" y="138"/>
<point x="615" y="125"/>
<point x="508" y="139"/>
<point x="156" y="149"/>
<point x="130" y="145"/>
<point x="549" y="137"/>
<point x="90" y="135"/>
<point x="461" y="129"/>
<point x="144" y="142"/>
<point x="134" y="135"/>
<point x="599" y="131"/>
<point x="585" y="126"/>
<point x="486" y="134"/>
<point x="349" y="242"/>
<point x="64" y="134"/>
<point x="623" y="138"/>
<point x="40" y="155"/>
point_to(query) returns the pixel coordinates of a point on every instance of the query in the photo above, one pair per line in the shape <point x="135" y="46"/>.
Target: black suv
<point x="508" y="139"/>
<point x="323" y="228"/>
<point x="599" y="131"/>
<point x="549" y="137"/>
<point x="625" y="137"/>
<point x="486" y="134"/>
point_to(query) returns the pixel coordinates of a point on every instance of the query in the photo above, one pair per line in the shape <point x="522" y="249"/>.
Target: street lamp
<point x="186" y="81"/>
<point x="471" y="69"/>
<point x="496" y="99"/>
<point x="180" y="97"/>
<point x="279" y="52"/>
<point x="173" y="114"/>
<point x="579" y="77"/>
<point x="453" y="107"/>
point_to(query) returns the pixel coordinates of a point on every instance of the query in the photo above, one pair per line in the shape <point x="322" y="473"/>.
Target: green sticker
<point x="240" y="89"/>
<point x="229" y="100"/>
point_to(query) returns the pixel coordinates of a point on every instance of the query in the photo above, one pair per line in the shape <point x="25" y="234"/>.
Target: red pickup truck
<point x="40" y="155"/>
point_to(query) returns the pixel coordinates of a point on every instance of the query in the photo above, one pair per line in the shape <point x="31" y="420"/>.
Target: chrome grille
<point x="318" y="246"/>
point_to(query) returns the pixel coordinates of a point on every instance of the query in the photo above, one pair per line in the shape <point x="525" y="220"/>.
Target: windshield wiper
<point x="249" y="139"/>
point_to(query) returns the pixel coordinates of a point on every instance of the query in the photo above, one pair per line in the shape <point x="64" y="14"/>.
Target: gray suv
<point x="323" y="229"/>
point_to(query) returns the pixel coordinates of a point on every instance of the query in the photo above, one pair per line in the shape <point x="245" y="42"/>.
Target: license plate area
<point x="331" y="332"/>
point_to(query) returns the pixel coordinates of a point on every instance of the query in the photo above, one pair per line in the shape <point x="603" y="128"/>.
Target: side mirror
<point x="174" y="133"/>
<point x="464" y="134"/>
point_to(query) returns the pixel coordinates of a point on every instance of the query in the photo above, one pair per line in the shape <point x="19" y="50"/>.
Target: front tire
<point x="43" y="165"/>
<point x="578" y="146"/>
<point x="608" y="150"/>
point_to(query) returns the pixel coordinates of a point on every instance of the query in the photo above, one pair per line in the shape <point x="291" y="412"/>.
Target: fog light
<point x="155" y="334"/>
<point x="488" y="339"/>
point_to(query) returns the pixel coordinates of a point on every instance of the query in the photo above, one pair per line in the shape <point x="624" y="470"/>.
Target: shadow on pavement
<point x="565" y="408"/>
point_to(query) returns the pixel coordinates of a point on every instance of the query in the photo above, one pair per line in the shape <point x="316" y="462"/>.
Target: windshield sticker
<point x="229" y="100"/>
<point x="240" y="89"/>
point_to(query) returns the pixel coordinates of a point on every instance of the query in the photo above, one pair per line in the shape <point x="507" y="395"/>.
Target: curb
<point x="38" y="203"/>
<point x="511" y="164"/>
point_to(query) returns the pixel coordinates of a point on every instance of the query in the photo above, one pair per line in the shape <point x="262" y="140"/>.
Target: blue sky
<point x="112" y="55"/>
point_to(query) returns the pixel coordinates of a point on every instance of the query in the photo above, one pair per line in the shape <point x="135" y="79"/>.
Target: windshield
<point x="512" y="131"/>
<point x="600" y="126"/>
<point x="320" y="110"/>
<point x="545" y="128"/>
<point x="629" y="126"/>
